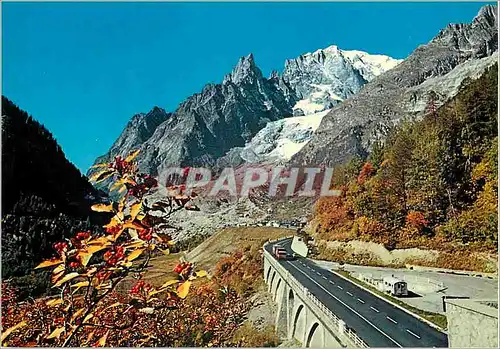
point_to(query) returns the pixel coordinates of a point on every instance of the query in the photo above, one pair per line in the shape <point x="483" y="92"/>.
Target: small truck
<point x="279" y="252"/>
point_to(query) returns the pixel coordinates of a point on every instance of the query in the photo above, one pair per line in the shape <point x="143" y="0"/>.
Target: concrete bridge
<point x="301" y="315"/>
<point x="320" y="308"/>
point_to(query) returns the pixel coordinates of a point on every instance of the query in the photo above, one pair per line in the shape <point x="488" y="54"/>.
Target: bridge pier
<point x="282" y="313"/>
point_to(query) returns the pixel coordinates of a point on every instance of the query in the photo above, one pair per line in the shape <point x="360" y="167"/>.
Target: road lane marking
<point x="340" y="287"/>
<point x="318" y="273"/>
<point x="361" y="301"/>
<point x="333" y="283"/>
<point x="413" y="334"/>
<point x="392" y="320"/>
<point x="324" y="277"/>
<point x="374" y="309"/>
<point x="347" y="306"/>
<point x="349" y="293"/>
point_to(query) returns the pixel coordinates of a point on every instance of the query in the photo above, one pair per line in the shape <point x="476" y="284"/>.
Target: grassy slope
<point x="227" y="241"/>
<point x="209" y="252"/>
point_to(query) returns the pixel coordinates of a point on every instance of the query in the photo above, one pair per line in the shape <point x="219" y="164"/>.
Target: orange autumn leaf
<point x="132" y="156"/>
<point x="183" y="289"/>
<point x="54" y="302"/>
<point x="135" y="209"/>
<point x="48" y="263"/>
<point x="67" y="278"/>
<point x="102" y="340"/>
<point x="100" y="176"/>
<point x="102" y="208"/>
<point x="169" y="283"/>
<point x="201" y="273"/>
<point x="134" y="254"/>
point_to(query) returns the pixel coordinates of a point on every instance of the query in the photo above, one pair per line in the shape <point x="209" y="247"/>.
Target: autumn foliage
<point x="87" y="268"/>
<point x="432" y="184"/>
<point x="212" y="315"/>
<point x="91" y="310"/>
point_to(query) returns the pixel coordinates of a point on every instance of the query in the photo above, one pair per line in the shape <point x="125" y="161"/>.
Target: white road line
<point x="318" y="273"/>
<point x="348" y="307"/>
<point x="388" y="318"/>
<point x="333" y="283"/>
<point x="413" y="334"/>
<point x="349" y="293"/>
<point x="361" y="301"/>
<point x="340" y="287"/>
<point x="324" y="277"/>
<point x="374" y="309"/>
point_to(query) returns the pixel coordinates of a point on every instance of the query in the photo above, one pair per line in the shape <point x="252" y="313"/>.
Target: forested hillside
<point x="44" y="196"/>
<point x="432" y="184"/>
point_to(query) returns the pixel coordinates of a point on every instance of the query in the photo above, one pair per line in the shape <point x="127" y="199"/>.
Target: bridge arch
<point x="299" y="323"/>
<point x="272" y="281"/>
<point x="291" y="301"/>
<point x="268" y="273"/>
<point x="314" y="338"/>
<point x="276" y="291"/>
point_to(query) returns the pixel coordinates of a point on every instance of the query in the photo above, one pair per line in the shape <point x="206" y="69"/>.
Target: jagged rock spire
<point x="245" y="71"/>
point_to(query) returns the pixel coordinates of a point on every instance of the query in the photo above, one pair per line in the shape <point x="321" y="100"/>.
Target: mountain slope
<point x="352" y="127"/>
<point x="197" y="132"/>
<point x="137" y="131"/>
<point x="44" y="196"/>
<point x="433" y="184"/>
<point x="210" y="127"/>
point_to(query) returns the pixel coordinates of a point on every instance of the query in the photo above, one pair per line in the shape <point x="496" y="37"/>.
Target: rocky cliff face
<point x="138" y="130"/>
<point x="211" y="127"/>
<point x="353" y="126"/>
<point x="210" y="123"/>
<point x="218" y="126"/>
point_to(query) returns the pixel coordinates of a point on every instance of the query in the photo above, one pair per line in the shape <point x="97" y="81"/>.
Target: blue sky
<point x="83" y="69"/>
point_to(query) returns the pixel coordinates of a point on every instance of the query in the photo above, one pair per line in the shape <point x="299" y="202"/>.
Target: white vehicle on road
<point x="395" y="286"/>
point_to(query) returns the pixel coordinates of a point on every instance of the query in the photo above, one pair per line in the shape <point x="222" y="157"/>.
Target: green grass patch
<point x="437" y="319"/>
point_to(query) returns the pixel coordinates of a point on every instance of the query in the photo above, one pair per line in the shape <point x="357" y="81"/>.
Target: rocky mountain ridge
<point x="351" y="128"/>
<point x="196" y="133"/>
<point x="327" y="76"/>
<point x="240" y="120"/>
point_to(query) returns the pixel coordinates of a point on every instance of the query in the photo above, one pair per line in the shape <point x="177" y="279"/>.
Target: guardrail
<point x="296" y="285"/>
<point x="354" y="337"/>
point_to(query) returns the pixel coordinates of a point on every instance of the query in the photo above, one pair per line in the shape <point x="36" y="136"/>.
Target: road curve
<point x="377" y="322"/>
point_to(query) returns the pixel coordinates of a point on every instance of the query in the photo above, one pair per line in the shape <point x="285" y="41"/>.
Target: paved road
<point x="375" y="321"/>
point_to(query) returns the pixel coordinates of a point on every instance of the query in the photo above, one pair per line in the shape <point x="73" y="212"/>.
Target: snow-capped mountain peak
<point x="370" y="65"/>
<point x="327" y="76"/>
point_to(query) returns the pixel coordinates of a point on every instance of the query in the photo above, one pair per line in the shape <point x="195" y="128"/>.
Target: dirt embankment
<point x="373" y="254"/>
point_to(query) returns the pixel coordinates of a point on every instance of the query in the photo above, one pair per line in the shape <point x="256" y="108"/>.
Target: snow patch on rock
<point x="278" y="141"/>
